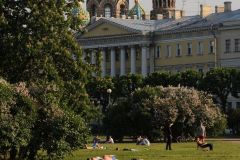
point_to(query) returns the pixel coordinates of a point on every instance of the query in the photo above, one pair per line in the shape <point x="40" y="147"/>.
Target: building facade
<point x="174" y="44"/>
<point x="107" y="8"/>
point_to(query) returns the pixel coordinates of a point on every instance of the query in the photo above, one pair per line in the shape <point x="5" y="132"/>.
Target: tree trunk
<point x="13" y="153"/>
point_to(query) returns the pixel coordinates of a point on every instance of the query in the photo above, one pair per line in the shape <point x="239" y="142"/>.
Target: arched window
<point x="122" y="10"/>
<point x="93" y="11"/>
<point x="169" y="3"/>
<point x="108" y="11"/>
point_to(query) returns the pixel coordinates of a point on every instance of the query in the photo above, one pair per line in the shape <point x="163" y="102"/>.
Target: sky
<point x="191" y="6"/>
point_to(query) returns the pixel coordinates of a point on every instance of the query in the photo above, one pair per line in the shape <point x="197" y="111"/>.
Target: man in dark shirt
<point x="168" y="136"/>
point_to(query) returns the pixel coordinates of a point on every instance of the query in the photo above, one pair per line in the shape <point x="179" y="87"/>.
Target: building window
<point x="200" y="70"/>
<point x="122" y="10"/>
<point x="107" y="57"/>
<point x="117" y="57"/>
<point x="200" y="48"/>
<point x="108" y="11"/>
<point x="158" y="52"/>
<point x="238" y="105"/>
<point x="237" y="45"/>
<point x="228" y="46"/>
<point x="127" y="55"/>
<point x="178" y="50"/>
<point x="229" y="105"/>
<point x="189" y="45"/>
<point x="93" y="11"/>
<point x="168" y="51"/>
<point x="211" y="47"/>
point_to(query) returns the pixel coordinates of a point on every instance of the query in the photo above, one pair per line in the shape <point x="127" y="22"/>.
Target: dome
<point x="81" y="13"/>
<point x="137" y="10"/>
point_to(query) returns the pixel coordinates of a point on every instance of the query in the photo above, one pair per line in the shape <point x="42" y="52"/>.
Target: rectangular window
<point x="178" y="50"/>
<point x="200" y="70"/>
<point x="228" y="46"/>
<point x="127" y="55"/>
<point x="168" y="51"/>
<point x="237" y="45"/>
<point x="189" y="45"/>
<point x="211" y="47"/>
<point x="158" y="52"/>
<point x="229" y="105"/>
<point x="238" y="105"/>
<point x="200" y="48"/>
<point x="117" y="57"/>
<point x="107" y="57"/>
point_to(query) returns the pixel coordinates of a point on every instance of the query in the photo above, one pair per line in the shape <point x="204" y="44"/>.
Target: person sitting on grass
<point x="109" y="140"/>
<point x="139" y="140"/>
<point x="145" y="142"/>
<point x="96" y="141"/>
<point x="202" y="144"/>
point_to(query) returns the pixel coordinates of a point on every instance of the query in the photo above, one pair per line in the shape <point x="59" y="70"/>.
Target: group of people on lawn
<point x="200" y="139"/>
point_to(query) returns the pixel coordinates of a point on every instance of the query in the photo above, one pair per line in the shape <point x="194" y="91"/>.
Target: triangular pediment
<point x="105" y="28"/>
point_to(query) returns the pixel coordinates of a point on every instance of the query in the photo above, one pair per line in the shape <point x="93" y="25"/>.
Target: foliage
<point x="218" y="82"/>
<point x="38" y="48"/>
<point x="158" y="79"/>
<point x="125" y="85"/>
<point x="151" y="108"/>
<point x="17" y="116"/>
<point x="191" y="78"/>
<point x="233" y="120"/>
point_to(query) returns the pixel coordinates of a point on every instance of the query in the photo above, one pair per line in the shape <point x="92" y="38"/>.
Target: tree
<point x="191" y="78"/>
<point x="125" y="85"/>
<point x="38" y="48"/>
<point x="151" y="108"/>
<point x="218" y="82"/>
<point x="158" y="79"/>
<point x="17" y="116"/>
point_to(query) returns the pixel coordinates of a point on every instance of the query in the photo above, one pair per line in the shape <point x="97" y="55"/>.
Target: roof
<point x="169" y="25"/>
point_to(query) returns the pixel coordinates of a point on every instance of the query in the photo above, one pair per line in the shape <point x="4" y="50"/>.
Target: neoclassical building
<point x="176" y="43"/>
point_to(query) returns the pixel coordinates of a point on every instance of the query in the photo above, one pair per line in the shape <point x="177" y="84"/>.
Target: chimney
<point x="205" y="10"/>
<point x="123" y="16"/>
<point x="227" y="6"/>
<point x="182" y="13"/>
<point x="147" y="17"/>
<point x="177" y="14"/>
<point x="159" y="16"/>
<point x="219" y="9"/>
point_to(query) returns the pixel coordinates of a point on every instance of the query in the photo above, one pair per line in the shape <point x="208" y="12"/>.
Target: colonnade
<point x="144" y="53"/>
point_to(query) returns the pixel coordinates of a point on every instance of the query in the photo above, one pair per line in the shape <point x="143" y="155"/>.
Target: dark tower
<point x="107" y="8"/>
<point x="164" y="7"/>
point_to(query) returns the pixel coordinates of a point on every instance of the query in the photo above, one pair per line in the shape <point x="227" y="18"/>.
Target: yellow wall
<point x="184" y="58"/>
<point x="105" y="30"/>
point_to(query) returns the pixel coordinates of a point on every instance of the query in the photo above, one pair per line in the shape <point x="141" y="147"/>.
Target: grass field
<point x="223" y="150"/>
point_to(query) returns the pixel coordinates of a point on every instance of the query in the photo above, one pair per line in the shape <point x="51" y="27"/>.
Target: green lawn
<point x="181" y="151"/>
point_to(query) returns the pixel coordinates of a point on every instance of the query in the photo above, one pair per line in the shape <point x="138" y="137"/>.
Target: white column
<point x="93" y="57"/>
<point x="104" y="63"/>
<point x="84" y="55"/>
<point x="93" y="60"/>
<point x="144" y="60"/>
<point x="123" y="61"/>
<point x="113" y="62"/>
<point x="133" y="60"/>
<point x="152" y="55"/>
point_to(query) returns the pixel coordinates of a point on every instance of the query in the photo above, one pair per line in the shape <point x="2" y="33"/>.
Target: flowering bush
<point x="17" y="116"/>
<point x="151" y="108"/>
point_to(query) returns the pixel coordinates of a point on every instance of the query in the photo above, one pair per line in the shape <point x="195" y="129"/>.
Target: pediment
<point x="102" y="29"/>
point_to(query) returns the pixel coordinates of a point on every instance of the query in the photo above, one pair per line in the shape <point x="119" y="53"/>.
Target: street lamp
<point x="109" y="91"/>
